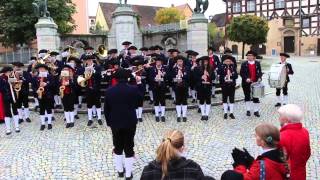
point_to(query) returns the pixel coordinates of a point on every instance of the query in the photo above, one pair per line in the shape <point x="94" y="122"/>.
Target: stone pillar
<point x="47" y="34"/>
<point x="197" y="35"/>
<point x="124" y="28"/>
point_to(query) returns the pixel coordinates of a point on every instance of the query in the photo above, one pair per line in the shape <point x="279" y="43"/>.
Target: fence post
<point x="20" y="54"/>
<point x="6" y="57"/>
<point x="13" y="56"/>
<point x="29" y="55"/>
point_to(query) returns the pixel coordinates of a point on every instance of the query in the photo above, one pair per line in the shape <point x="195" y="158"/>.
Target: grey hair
<point x="292" y="112"/>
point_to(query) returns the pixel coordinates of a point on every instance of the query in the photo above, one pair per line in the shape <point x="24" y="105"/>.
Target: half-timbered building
<point x="294" y="24"/>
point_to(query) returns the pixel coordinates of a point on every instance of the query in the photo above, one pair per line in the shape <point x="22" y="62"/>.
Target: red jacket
<point x="1" y="108"/>
<point x="294" y="139"/>
<point x="274" y="167"/>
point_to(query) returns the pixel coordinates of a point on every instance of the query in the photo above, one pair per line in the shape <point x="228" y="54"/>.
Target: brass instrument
<point x="52" y="68"/>
<point x="64" y="78"/>
<point x="40" y="89"/>
<point x="102" y="52"/>
<point x="17" y="84"/>
<point x="205" y="77"/>
<point x="12" y="79"/>
<point x="179" y="75"/>
<point x="159" y="76"/>
<point x="82" y="79"/>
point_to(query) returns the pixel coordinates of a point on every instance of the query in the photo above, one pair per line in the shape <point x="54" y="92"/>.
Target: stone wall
<point x="167" y="40"/>
<point x="83" y="40"/>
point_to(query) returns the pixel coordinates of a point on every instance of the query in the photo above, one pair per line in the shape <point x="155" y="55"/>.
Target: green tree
<point x="168" y="15"/>
<point x="17" y="20"/>
<point x="215" y="35"/>
<point x="248" y="29"/>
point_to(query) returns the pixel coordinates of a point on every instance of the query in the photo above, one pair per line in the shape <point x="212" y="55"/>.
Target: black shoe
<point x="100" y="122"/>
<point x="36" y="108"/>
<point x="42" y="127"/>
<point x="120" y="174"/>
<point x="71" y="125"/>
<point x="46" y="119"/>
<point x="248" y="113"/>
<point x="232" y="116"/>
<point x="202" y="118"/>
<point x="199" y="110"/>
<point x="49" y="126"/>
<point x="94" y="116"/>
<point x="174" y="102"/>
<point x="79" y="106"/>
<point x="56" y="106"/>
<point x="184" y="119"/>
<point x="257" y="114"/>
<point x="213" y="96"/>
<point x="150" y="102"/>
<point x="20" y="121"/>
<point x="17" y="130"/>
<point x="89" y="123"/>
<point x="225" y="116"/>
<point x="8" y="133"/>
<point x="206" y="118"/>
<point x="28" y="120"/>
<point x="64" y="119"/>
<point x="53" y="118"/>
<point x="163" y="119"/>
<point x="140" y="119"/>
<point x="68" y="125"/>
<point x="157" y="119"/>
<point x="277" y="105"/>
<point x="178" y="119"/>
<point x="193" y="101"/>
<point x="76" y="116"/>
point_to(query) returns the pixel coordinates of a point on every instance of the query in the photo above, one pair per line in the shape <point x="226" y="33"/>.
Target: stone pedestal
<point x="47" y="34"/>
<point x="197" y="35"/>
<point x="124" y="28"/>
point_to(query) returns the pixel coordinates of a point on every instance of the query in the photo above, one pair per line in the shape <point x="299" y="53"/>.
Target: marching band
<point x="69" y="81"/>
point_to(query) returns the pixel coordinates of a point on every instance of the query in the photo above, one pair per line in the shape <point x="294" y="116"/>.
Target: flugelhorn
<point x="40" y="89"/>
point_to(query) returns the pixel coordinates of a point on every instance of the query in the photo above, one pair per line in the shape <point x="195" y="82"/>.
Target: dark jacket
<point x="222" y="72"/>
<point x="199" y="71"/>
<point x="5" y="89"/>
<point x="178" y="169"/>
<point x="121" y="102"/>
<point x="48" y="89"/>
<point x="152" y="73"/>
<point x="185" y="77"/>
<point x="245" y="74"/>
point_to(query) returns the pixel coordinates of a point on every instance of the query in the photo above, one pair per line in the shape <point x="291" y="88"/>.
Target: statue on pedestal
<point x="40" y="8"/>
<point x="125" y="2"/>
<point x="204" y="4"/>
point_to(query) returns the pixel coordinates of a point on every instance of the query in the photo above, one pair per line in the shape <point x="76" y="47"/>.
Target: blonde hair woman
<point x="169" y="163"/>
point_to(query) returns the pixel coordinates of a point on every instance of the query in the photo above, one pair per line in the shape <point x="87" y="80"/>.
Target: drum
<point x="257" y="90"/>
<point x="277" y="76"/>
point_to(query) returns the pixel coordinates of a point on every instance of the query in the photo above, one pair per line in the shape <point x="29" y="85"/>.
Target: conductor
<point x="121" y="102"/>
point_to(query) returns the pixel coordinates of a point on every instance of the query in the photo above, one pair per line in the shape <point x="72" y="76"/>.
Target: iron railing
<point x="22" y="55"/>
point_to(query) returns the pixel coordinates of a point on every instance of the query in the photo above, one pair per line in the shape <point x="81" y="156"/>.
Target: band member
<point x="87" y="50"/>
<point x="173" y="53"/>
<point x="9" y="97"/>
<point x="250" y="72"/>
<point x="119" y="108"/>
<point x="78" y="70"/>
<point x="139" y="72"/>
<point x="228" y="76"/>
<point x="67" y="89"/>
<point x="112" y="67"/>
<point x="33" y="72"/>
<point x="181" y="77"/>
<point x="44" y="85"/>
<point x="283" y="59"/>
<point x="124" y="52"/>
<point x="192" y="84"/>
<point x="55" y="69"/>
<point x="157" y="78"/>
<point x="228" y="52"/>
<point x="92" y="76"/>
<point x="214" y="63"/>
<point x="144" y="51"/>
<point x="127" y="61"/>
<point x="22" y="91"/>
<point x="205" y="75"/>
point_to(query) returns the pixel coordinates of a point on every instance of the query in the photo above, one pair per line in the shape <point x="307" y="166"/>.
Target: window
<point x="279" y="4"/>
<point x="288" y="22"/>
<point x="236" y="7"/>
<point x="306" y="22"/>
<point x="251" y="6"/>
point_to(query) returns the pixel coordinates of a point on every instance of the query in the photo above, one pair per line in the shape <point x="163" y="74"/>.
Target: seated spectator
<point x="270" y="165"/>
<point x="170" y="163"/>
<point x="294" y="139"/>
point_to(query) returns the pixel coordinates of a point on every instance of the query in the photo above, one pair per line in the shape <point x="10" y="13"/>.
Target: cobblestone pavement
<point x="85" y="153"/>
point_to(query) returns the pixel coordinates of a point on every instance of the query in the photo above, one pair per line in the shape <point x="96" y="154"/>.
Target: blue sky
<point x="215" y="6"/>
